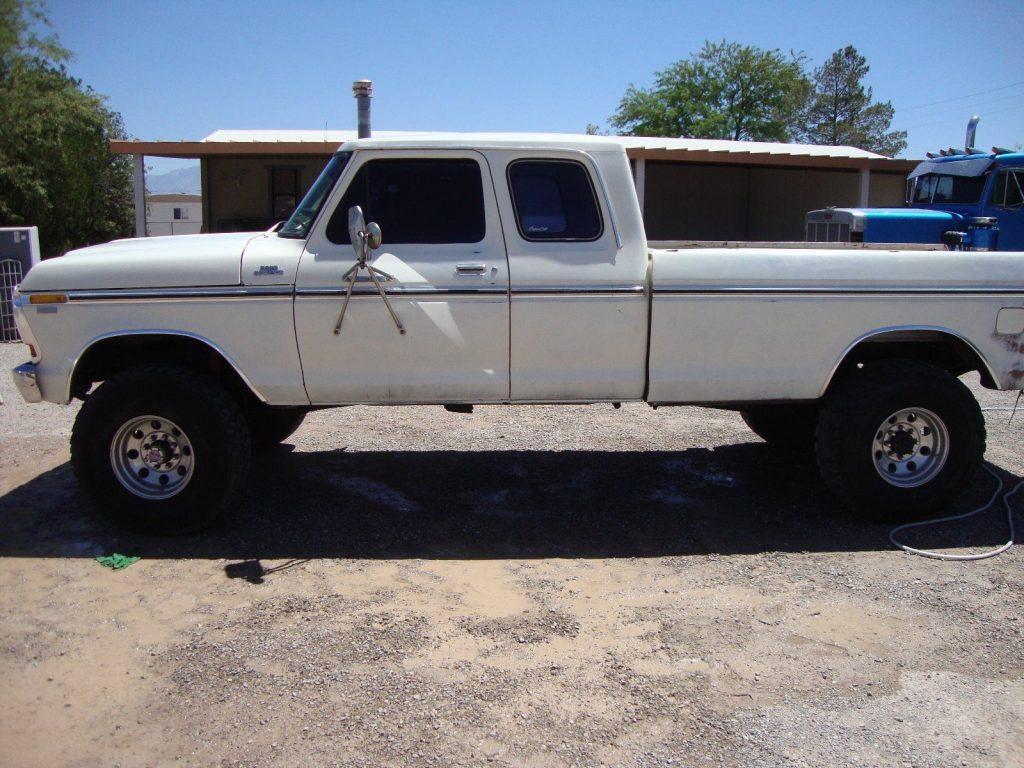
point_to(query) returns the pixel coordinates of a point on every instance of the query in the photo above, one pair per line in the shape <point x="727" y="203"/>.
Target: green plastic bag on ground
<point x="116" y="561"/>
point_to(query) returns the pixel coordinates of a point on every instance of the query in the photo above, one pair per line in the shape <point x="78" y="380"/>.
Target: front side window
<point x="299" y="223"/>
<point x="554" y="200"/>
<point x="416" y="201"/>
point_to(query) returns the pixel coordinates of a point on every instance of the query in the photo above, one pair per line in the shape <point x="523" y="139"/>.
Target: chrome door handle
<point x="471" y="269"/>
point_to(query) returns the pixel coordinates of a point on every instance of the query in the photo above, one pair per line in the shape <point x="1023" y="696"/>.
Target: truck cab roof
<point x="967" y="165"/>
<point x="454" y="140"/>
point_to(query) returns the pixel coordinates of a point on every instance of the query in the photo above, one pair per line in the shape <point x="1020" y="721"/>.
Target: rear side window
<point x="554" y="200"/>
<point x="416" y="201"/>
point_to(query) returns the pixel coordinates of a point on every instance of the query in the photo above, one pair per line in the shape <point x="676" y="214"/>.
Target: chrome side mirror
<point x="373" y="235"/>
<point x="365" y="237"/>
<point x="356" y="226"/>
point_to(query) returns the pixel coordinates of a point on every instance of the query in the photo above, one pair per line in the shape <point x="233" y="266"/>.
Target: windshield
<point x="300" y="221"/>
<point x="946" y="189"/>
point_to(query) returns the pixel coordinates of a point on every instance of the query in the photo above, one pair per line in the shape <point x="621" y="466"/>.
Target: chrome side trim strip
<point x="578" y="290"/>
<point x="538" y="290"/>
<point x="400" y="291"/>
<point x="226" y="292"/>
<point x="751" y="290"/>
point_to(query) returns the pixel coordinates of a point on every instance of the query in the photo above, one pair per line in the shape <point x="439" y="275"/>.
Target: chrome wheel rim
<point x="152" y="457"/>
<point x="910" y="447"/>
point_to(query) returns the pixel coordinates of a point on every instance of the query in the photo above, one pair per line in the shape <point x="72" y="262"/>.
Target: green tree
<point x="56" y="168"/>
<point x="725" y="91"/>
<point x="840" y="111"/>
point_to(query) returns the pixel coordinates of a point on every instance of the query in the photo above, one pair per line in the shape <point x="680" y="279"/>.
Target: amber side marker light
<point x="48" y="298"/>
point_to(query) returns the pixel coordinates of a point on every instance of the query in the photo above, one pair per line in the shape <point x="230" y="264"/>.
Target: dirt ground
<point x="541" y="586"/>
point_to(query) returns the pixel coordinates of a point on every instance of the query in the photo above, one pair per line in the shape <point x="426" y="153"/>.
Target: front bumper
<point x="25" y="379"/>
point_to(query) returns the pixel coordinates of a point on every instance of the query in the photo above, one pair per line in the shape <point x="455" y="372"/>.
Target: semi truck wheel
<point x="790" y="427"/>
<point x="270" y="426"/>
<point x="161" y="449"/>
<point x="899" y="439"/>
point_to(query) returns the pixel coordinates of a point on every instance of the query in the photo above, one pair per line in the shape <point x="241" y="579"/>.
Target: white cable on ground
<point x="979" y="556"/>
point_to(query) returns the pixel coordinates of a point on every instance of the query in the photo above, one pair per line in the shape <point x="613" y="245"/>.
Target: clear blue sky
<point x="180" y="70"/>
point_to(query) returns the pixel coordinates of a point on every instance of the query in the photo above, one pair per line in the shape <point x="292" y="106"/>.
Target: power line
<point x="960" y="119"/>
<point x="976" y="107"/>
<point x="959" y="98"/>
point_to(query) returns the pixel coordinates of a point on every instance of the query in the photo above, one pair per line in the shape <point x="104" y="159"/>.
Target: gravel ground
<point x="540" y="586"/>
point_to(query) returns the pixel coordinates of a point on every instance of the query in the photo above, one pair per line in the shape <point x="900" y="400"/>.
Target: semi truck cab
<point x="963" y="199"/>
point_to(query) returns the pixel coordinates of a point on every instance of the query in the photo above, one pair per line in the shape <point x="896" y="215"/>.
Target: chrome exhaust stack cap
<point x="363" y="92"/>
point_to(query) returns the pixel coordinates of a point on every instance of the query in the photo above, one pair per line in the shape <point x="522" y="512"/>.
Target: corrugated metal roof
<point x="323" y="142"/>
<point x="746" y="147"/>
<point x="630" y="142"/>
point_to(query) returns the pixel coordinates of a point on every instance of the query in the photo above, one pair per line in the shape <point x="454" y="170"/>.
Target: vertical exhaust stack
<point x="363" y="91"/>
<point x="972" y="128"/>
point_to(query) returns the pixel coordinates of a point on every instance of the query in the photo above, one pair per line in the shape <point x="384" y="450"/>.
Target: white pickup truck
<point x="507" y="269"/>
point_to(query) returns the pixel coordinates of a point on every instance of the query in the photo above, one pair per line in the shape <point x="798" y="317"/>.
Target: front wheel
<point x="161" y="449"/>
<point x="898" y="439"/>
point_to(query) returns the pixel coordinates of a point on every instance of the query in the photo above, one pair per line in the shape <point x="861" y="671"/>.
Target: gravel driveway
<point x="535" y="586"/>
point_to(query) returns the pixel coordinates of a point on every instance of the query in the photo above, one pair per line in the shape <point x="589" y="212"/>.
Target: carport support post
<point x="865" y="187"/>
<point x="139" y="193"/>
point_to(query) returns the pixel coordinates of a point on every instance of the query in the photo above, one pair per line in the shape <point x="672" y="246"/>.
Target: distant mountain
<point x="183" y="181"/>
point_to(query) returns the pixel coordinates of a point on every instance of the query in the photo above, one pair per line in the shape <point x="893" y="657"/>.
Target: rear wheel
<point x="790" y="427"/>
<point x="899" y="439"/>
<point x="161" y="449"/>
<point x="270" y="426"/>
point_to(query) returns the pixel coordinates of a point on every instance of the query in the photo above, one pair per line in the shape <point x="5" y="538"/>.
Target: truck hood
<point x="921" y="215"/>
<point x="146" y="262"/>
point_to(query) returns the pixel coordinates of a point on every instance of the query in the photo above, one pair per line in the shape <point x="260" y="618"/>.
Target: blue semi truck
<point x="963" y="199"/>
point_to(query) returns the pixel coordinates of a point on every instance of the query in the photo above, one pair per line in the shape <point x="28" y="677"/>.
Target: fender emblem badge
<point x="268" y="269"/>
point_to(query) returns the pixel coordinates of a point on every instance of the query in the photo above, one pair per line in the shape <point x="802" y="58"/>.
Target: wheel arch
<point x="933" y="344"/>
<point x="100" y="358"/>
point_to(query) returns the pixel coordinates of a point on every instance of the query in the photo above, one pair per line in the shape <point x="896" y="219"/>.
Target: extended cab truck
<point x="511" y="269"/>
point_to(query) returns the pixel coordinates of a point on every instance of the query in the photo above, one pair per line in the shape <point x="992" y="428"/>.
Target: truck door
<point x="447" y="280"/>
<point x="1007" y="204"/>
<point x="579" y="307"/>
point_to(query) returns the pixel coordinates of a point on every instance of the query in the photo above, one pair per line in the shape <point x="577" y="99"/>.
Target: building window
<point x="284" y="192"/>
<point x="416" y="201"/>
<point x="181" y="214"/>
<point x="554" y="200"/>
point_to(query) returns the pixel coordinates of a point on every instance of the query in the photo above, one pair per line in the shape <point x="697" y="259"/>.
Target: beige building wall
<point x="688" y="201"/>
<point x="888" y="190"/>
<point x="237" y="189"/>
<point x="781" y="197"/>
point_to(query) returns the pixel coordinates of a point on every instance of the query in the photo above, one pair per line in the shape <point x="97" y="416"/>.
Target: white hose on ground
<point x="978" y="556"/>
